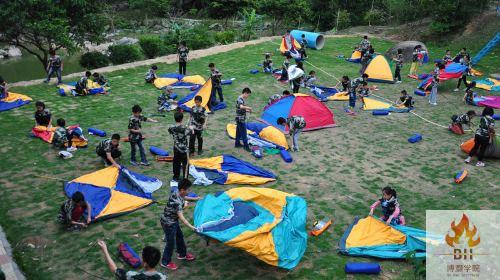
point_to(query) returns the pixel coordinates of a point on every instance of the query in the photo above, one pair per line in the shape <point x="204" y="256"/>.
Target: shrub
<point x="225" y="37"/>
<point x="198" y="37"/>
<point x="375" y="17"/>
<point x="119" y="54"/>
<point x="93" y="60"/>
<point x="152" y="46"/>
<point x="343" y="20"/>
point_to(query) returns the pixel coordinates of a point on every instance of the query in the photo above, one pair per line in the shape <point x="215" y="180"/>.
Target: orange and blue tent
<point x="379" y="71"/>
<point x="315" y="113"/>
<point x="261" y="134"/>
<point x="14" y="100"/>
<point x="112" y="191"/>
<point x="371" y="237"/>
<point x="227" y="169"/>
<point x="267" y="224"/>
<point x="292" y="47"/>
<point x="47" y="134"/>
<point x="355" y="57"/>
<point x="178" y="81"/>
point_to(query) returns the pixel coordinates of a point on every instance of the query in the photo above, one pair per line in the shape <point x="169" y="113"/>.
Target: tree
<point x="40" y="25"/>
<point x="225" y="9"/>
<point x="151" y="7"/>
<point x="280" y="11"/>
<point x="250" y="23"/>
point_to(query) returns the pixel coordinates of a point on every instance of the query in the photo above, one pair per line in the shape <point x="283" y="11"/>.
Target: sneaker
<point x="467" y="160"/>
<point x="145" y="163"/>
<point x="188" y="257"/>
<point x="170" y="266"/>
<point x="398" y="82"/>
<point x="434" y="104"/>
<point x="455" y="90"/>
<point x="71" y="149"/>
<point x="134" y="163"/>
<point x="480" y="164"/>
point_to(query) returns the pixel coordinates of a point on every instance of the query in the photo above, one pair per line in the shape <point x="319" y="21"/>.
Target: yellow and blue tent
<point x="14" y="100"/>
<point x="355" y="57"/>
<point x="379" y="71"/>
<point x="261" y="134"/>
<point x="68" y="88"/>
<point x="268" y="224"/>
<point x="178" y="81"/>
<point x="205" y="92"/>
<point x="112" y="191"/>
<point x="371" y="237"/>
<point x="227" y="169"/>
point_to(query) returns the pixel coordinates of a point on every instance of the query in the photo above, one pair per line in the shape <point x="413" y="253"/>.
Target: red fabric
<point x="467" y="145"/>
<point x="77" y="213"/>
<point x="316" y="114"/>
<point x="456" y="128"/>
<point x="447" y="76"/>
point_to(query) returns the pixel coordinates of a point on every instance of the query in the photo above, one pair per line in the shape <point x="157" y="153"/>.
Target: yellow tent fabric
<point x="195" y="79"/>
<point x="284" y="49"/>
<point x="205" y="91"/>
<point x="102" y="178"/>
<point x="163" y="82"/>
<point x="208" y="163"/>
<point x="373" y="232"/>
<point x="122" y="202"/>
<point x="373" y="104"/>
<point x="269" y="133"/>
<point x="231" y="130"/>
<point x="379" y="70"/>
<point x="485" y="86"/>
<point x="242" y="179"/>
<point x="16" y="96"/>
<point x="339" y="96"/>
<point x="356" y="55"/>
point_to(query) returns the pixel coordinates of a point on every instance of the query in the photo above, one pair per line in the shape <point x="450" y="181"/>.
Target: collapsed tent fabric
<point x="489" y="84"/>
<point x="379" y="71"/>
<point x="261" y="132"/>
<point x="227" y="169"/>
<point x="316" y="114"/>
<point x="487" y="101"/>
<point x="205" y="92"/>
<point x="112" y="191"/>
<point x="452" y="71"/>
<point x="371" y="237"/>
<point x="68" y="88"/>
<point x="47" y="134"/>
<point x="323" y="93"/>
<point x="284" y="47"/>
<point x="355" y="57"/>
<point x="14" y="100"/>
<point x="375" y="104"/>
<point x="178" y="81"/>
<point x="492" y="150"/>
<point x="268" y="224"/>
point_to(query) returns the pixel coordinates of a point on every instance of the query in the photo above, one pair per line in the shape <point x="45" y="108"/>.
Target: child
<point x="109" y="150"/>
<point x="310" y="79"/>
<point x="198" y="122"/>
<point x="43" y="117"/>
<point x="469" y="94"/>
<point x="465" y="61"/>
<point x="390" y="207"/>
<point x="62" y="137"/>
<point x="295" y="125"/>
<point x="447" y="57"/>
<point x="460" y="120"/>
<point x="151" y="74"/>
<point x="55" y="65"/>
<point x="365" y="60"/>
<point x="433" y="95"/>
<point x="346" y="83"/>
<point x="150" y="258"/>
<point x="165" y="100"/>
<point x="415" y="62"/>
<point x="72" y="212"/>
<point x="4" y="90"/>
<point x="276" y="97"/>
<point x="135" y="134"/>
<point x="405" y="100"/>
<point x="180" y="134"/>
<point x="460" y="55"/>
<point x="215" y="75"/>
<point x="99" y="79"/>
<point x="241" y="117"/>
<point x="353" y="89"/>
<point x="364" y="45"/>
<point x="363" y="91"/>
<point x="170" y="223"/>
<point x="284" y="68"/>
<point x="81" y="87"/>
<point x="303" y="46"/>
<point x="268" y="63"/>
<point x="483" y="136"/>
<point x="183" y="55"/>
<point x="295" y="84"/>
<point x="399" y="65"/>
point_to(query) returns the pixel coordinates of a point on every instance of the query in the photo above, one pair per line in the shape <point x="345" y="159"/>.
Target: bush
<point x="198" y="37"/>
<point x="93" y="60"/>
<point x="119" y="54"/>
<point x="375" y="17"/>
<point x="152" y="46"/>
<point x="225" y="37"/>
<point x="344" y="20"/>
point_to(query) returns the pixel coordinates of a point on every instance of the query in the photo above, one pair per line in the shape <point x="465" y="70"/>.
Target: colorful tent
<point x="261" y="132"/>
<point x="371" y="237"/>
<point x="68" y="88"/>
<point x="487" y="101"/>
<point x="316" y="114"/>
<point x="112" y="191"/>
<point x="355" y="57"/>
<point x="375" y="104"/>
<point x="227" y="169"/>
<point x="284" y="47"/>
<point x="46" y="134"/>
<point x="14" y="100"/>
<point x="178" y="81"/>
<point x="492" y="150"/>
<point x="490" y="84"/>
<point x="452" y="71"/>
<point x="205" y="92"/>
<point x="379" y="71"/>
<point x="268" y="224"/>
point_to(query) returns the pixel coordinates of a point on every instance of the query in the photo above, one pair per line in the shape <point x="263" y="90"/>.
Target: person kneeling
<point x="72" y="211"/>
<point x="109" y="150"/>
<point x="458" y="121"/>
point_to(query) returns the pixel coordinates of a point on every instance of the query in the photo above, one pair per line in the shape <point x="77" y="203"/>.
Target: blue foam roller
<point x="496" y="116"/>
<point x="380" y="112"/>
<point x="254" y="71"/>
<point x="420" y="92"/>
<point x="226" y="82"/>
<point x="415" y="138"/>
<point x="286" y="156"/>
<point x="173" y="96"/>
<point x="362" y="268"/>
<point x="61" y="92"/>
<point x="95" y="131"/>
<point x="158" y="151"/>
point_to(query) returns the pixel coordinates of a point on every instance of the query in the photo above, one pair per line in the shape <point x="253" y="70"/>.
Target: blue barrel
<point x="415" y="138"/>
<point x="314" y="40"/>
<point x="380" y="112"/>
<point x="420" y="92"/>
<point x="95" y="131"/>
<point x="158" y="151"/>
<point x="286" y="156"/>
<point x="362" y="268"/>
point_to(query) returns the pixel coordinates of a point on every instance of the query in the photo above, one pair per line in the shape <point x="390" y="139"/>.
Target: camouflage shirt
<point x="43" y="117"/>
<point x="121" y="274"/>
<point x="399" y="60"/>
<point x="105" y="146"/>
<point x="60" y="137"/>
<point x="180" y="134"/>
<point x="183" y="54"/>
<point x="198" y="117"/>
<point x="485" y="125"/>
<point x="216" y="77"/>
<point x="241" y="114"/>
<point x="273" y="98"/>
<point x="364" y="44"/>
<point x="174" y="205"/>
<point x="135" y="123"/>
<point x="295" y="123"/>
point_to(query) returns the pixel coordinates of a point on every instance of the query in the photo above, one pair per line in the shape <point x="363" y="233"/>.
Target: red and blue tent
<point x="316" y="114"/>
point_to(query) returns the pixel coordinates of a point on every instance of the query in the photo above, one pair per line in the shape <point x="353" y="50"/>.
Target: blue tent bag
<point x="254" y="71"/>
<point x="286" y="156"/>
<point x="496" y="116"/>
<point x="95" y="131"/>
<point x="415" y="138"/>
<point x="128" y="255"/>
<point x="380" y="112"/>
<point x="362" y="268"/>
<point x="226" y="82"/>
<point x="420" y="92"/>
<point x="158" y="151"/>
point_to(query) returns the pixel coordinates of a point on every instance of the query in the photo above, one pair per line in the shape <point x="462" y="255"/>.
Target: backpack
<point x="128" y="255"/>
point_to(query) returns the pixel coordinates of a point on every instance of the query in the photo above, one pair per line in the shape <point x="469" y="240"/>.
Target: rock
<point x="407" y="47"/>
<point x="14" y="51"/>
<point x="215" y="26"/>
<point x="126" y="41"/>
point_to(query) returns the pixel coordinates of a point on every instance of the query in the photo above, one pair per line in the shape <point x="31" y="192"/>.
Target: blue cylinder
<point x="420" y="92"/>
<point x="415" y="138"/>
<point x="95" y="131"/>
<point x="362" y="268"/>
<point x="496" y="116"/>
<point x="158" y="151"/>
<point x="285" y="155"/>
<point x="314" y="40"/>
<point x="254" y="71"/>
<point x="380" y="112"/>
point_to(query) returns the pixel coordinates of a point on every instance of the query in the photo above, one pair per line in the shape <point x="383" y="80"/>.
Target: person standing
<point x="399" y="65"/>
<point x="433" y="95"/>
<point x="483" y="137"/>
<point x="183" y="54"/>
<point x="215" y="75"/>
<point x="55" y="65"/>
<point x="241" y="116"/>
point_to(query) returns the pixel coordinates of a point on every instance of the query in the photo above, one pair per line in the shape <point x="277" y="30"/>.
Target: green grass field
<point x="339" y="171"/>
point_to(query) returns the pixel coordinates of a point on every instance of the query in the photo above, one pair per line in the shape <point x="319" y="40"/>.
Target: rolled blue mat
<point x="415" y="138"/>
<point x="158" y="151"/>
<point x="61" y="92"/>
<point x="286" y="156"/>
<point x="420" y="92"/>
<point x="226" y="82"/>
<point x="254" y="71"/>
<point x="95" y="131"/>
<point x="380" y="112"/>
<point x="362" y="268"/>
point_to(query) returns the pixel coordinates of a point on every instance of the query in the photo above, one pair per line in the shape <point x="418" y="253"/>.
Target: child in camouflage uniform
<point x="180" y="133"/>
<point x="295" y="126"/>
<point x="135" y="134"/>
<point x="198" y="122"/>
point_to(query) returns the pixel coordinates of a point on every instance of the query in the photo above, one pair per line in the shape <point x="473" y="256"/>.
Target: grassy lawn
<point x="339" y="171"/>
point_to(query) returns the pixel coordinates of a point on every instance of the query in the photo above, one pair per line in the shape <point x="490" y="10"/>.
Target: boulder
<point x="126" y="41"/>
<point x="407" y="47"/>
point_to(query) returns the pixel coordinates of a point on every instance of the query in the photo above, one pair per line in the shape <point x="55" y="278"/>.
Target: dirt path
<point x="172" y="58"/>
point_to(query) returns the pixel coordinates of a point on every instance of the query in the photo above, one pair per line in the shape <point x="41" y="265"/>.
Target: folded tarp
<point x="14" y="100"/>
